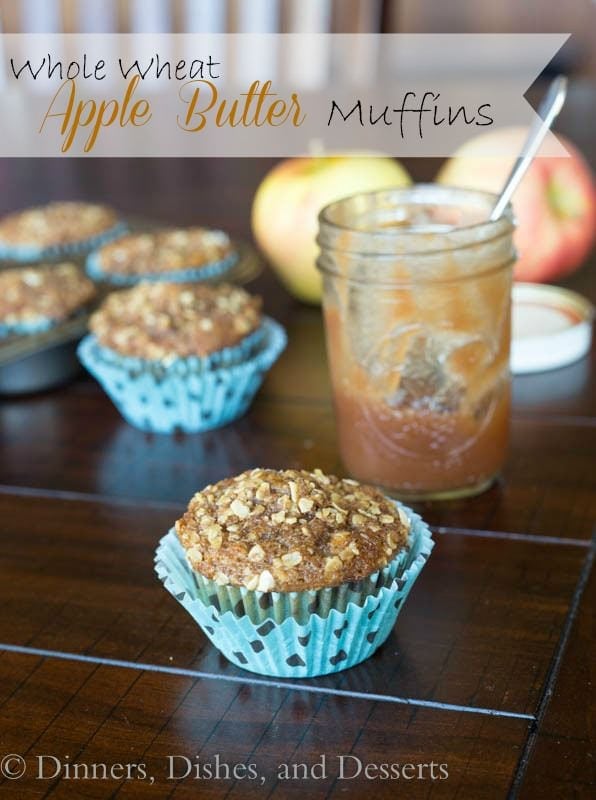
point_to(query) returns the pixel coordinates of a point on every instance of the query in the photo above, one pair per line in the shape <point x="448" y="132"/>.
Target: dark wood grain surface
<point x="114" y="607"/>
<point x="490" y="669"/>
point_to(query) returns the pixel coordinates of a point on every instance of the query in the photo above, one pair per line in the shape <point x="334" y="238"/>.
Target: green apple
<point x="288" y="202"/>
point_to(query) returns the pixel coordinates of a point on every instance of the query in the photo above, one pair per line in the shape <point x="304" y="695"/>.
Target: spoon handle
<point x="548" y="110"/>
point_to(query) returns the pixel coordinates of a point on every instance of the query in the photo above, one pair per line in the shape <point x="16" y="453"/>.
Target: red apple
<point x="287" y="204"/>
<point x="555" y="204"/>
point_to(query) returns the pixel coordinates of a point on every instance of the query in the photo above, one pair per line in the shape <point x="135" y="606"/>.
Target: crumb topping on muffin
<point x="290" y="530"/>
<point x="46" y="291"/>
<point x="56" y="224"/>
<point x="164" y="251"/>
<point x="165" y="321"/>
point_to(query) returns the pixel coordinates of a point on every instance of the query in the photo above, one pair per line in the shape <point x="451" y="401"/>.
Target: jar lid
<point x="551" y="327"/>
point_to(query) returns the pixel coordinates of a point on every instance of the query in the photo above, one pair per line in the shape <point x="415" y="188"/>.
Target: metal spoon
<point x="548" y="110"/>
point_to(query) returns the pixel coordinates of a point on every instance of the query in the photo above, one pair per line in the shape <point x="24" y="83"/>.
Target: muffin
<point x="35" y="298"/>
<point x="293" y="573"/>
<point x="177" y="356"/>
<point x="56" y="230"/>
<point x="175" y="255"/>
<point x="168" y="321"/>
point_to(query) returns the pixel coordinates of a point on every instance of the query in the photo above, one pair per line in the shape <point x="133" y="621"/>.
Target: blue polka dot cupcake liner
<point x="228" y="356"/>
<point x="189" y="395"/>
<point x="215" y="269"/>
<point x="30" y="253"/>
<point x="297" y="634"/>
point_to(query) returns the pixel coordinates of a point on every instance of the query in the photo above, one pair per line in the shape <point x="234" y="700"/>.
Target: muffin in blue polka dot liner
<point x="182" y="255"/>
<point x="36" y="298"/>
<point x="181" y="357"/>
<point x="56" y="231"/>
<point x="293" y="574"/>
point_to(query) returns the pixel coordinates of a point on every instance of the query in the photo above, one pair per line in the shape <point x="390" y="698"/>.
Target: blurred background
<point x="219" y="192"/>
<point x="577" y="17"/>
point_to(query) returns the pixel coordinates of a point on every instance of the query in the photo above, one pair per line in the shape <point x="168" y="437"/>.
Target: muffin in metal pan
<point x="172" y="255"/>
<point x="57" y="230"/>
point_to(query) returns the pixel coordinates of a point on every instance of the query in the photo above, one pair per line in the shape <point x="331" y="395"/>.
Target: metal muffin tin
<point x="37" y="362"/>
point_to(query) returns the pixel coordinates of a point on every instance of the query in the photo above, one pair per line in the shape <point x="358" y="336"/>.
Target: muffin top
<point x="45" y="291"/>
<point x="290" y="530"/>
<point x="164" y="251"/>
<point x="165" y="321"/>
<point x="55" y="224"/>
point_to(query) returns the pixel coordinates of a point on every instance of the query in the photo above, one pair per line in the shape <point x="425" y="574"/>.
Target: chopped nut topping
<point x="353" y="547"/>
<point x="157" y="321"/>
<point x="333" y="564"/>
<point x="45" y="292"/>
<point x="347" y="554"/>
<point x="266" y="581"/>
<point x="344" y="536"/>
<point x="194" y="555"/>
<point x="321" y="478"/>
<point x="305" y="504"/>
<point x="256" y="553"/>
<point x="291" y="559"/>
<point x="240" y="509"/>
<point x="263" y="492"/>
<point x="365" y="513"/>
<point x="56" y="224"/>
<point x="164" y="251"/>
<point x="403" y="518"/>
<point x="339" y="540"/>
<point x="252" y="582"/>
<point x="214" y="536"/>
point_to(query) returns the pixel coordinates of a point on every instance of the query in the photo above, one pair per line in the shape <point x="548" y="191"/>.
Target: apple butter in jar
<point x="417" y="295"/>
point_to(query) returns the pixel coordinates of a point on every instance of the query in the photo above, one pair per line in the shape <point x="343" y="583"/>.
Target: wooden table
<point x="490" y="669"/>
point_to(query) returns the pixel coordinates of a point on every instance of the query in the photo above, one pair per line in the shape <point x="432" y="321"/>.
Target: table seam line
<point x="251" y="680"/>
<point x="553" y="673"/>
<point x="480" y="533"/>
<point x="88" y="497"/>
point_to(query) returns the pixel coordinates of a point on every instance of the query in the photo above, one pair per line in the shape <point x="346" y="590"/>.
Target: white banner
<point x="263" y="94"/>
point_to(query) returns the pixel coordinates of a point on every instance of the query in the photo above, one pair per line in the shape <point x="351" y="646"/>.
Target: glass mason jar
<point x="416" y="298"/>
